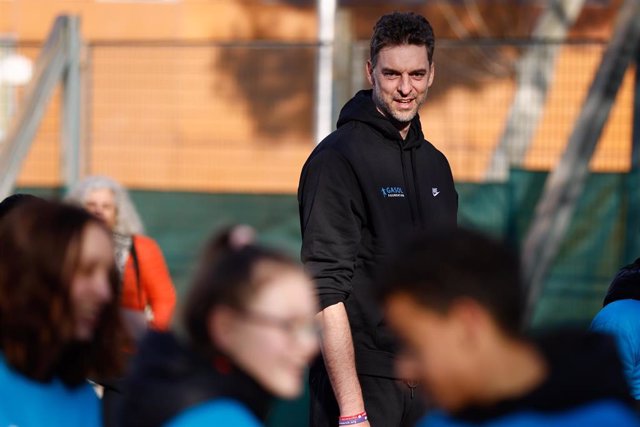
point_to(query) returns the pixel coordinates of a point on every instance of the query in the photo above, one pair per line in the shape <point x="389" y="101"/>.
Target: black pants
<point x="388" y="402"/>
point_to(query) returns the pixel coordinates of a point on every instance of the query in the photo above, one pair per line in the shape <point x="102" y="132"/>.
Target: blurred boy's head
<point x="454" y="298"/>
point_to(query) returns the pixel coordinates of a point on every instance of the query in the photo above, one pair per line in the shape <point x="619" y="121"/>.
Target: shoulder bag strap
<point x="136" y="267"/>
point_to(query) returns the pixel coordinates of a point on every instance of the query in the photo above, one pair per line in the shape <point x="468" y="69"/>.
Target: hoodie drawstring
<point x="406" y="181"/>
<point x="415" y="191"/>
<point x="416" y="183"/>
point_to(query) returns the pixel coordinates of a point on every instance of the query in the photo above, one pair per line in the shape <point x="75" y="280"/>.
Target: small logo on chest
<point x="392" y="192"/>
<point x="435" y="191"/>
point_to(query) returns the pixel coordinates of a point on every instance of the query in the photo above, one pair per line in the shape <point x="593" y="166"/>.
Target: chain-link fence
<point x="237" y="118"/>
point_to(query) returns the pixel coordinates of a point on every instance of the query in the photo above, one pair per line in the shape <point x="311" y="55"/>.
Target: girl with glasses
<point x="249" y="332"/>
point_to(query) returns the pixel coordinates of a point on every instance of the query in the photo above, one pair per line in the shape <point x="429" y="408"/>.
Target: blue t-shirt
<point x="28" y="403"/>
<point x="622" y="320"/>
<point x="219" y="412"/>
<point x="594" y="414"/>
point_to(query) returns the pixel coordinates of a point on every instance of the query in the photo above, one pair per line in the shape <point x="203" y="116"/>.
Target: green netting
<point x="597" y="244"/>
<point x="590" y="254"/>
<point x="592" y="251"/>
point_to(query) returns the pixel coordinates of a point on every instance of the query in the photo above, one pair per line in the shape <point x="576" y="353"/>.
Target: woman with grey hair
<point x="146" y="284"/>
<point x="148" y="297"/>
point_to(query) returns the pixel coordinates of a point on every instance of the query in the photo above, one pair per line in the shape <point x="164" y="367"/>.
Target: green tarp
<point x="592" y="252"/>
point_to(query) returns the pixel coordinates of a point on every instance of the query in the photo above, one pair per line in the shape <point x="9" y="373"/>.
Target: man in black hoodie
<point x="363" y="190"/>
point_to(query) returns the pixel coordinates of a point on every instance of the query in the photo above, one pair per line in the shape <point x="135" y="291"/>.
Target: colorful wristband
<point x="353" y="419"/>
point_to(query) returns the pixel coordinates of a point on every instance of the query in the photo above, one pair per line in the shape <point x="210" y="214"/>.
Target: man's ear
<point x="220" y="325"/>
<point x="369" y="70"/>
<point x="432" y="73"/>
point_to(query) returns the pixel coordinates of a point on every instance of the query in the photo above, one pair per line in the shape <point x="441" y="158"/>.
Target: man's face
<point x="400" y="81"/>
<point x="439" y="348"/>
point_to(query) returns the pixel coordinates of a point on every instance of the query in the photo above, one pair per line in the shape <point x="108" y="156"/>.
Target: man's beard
<point x="399" y="119"/>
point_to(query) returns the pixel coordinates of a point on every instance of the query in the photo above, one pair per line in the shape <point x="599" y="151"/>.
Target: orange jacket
<point x="156" y="287"/>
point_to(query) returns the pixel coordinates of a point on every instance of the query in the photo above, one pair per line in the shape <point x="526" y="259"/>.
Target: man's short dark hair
<point x="441" y="267"/>
<point x="395" y="29"/>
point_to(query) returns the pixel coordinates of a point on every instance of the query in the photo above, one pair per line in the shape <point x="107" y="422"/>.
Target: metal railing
<point x="59" y="61"/>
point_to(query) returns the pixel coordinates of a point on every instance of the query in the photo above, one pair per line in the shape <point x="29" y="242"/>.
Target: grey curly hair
<point x="128" y="221"/>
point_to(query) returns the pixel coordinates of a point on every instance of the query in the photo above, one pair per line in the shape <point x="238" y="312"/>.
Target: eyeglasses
<point x="294" y="327"/>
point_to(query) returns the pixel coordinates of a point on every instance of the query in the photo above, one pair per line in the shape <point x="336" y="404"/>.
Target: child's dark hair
<point x="227" y="275"/>
<point x="14" y="201"/>
<point x="40" y="250"/>
<point x="439" y="268"/>
<point x="397" y="29"/>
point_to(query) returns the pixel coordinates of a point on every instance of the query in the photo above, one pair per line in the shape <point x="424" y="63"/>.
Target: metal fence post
<point x="324" y="79"/>
<point x="48" y="69"/>
<point x="71" y="112"/>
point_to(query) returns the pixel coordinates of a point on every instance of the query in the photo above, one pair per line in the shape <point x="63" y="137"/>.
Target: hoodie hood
<point x="361" y="108"/>
<point x="582" y="368"/>
<point x="168" y="378"/>
<point x="626" y="284"/>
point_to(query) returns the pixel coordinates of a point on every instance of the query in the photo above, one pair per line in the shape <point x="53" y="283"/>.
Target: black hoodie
<point x="584" y="372"/>
<point x="168" y="378"/>
<point x="626" y="284"/>
<point x="363" y="191"/>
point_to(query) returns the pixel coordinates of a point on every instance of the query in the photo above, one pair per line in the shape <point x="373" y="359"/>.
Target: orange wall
<point x="205" y="117"/>
<point x="178" y="20"/>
